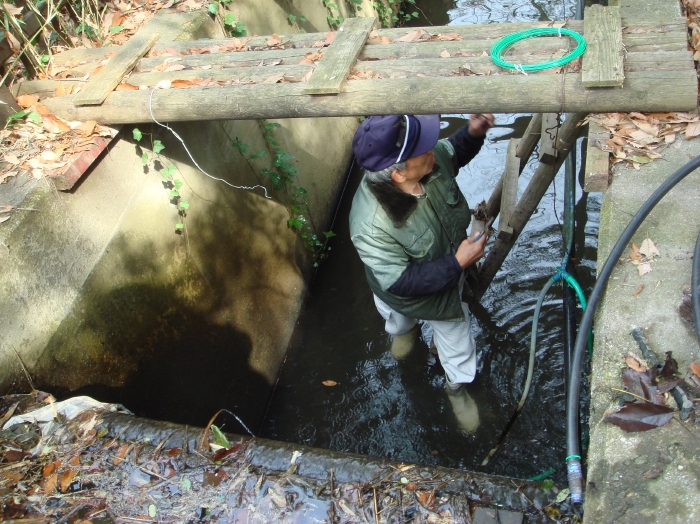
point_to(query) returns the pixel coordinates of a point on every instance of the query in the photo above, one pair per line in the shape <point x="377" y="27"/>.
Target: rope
<point x="502" y="46"/>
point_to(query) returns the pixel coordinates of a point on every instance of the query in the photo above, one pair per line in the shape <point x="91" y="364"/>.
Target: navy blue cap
<point x="382" y="141"/>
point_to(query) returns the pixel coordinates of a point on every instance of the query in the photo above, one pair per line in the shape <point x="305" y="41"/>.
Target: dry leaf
<point x="164" y="84"/>
<point x="692" y="130"/>
<point x="449" y="37"/>
<point x="695" y="368"/>
<point x="648" y="249"/>
<point x="174" y="67"/>
<point x="179" y="84"/>
<point x="50" y="484"/>
<point x="329" y="383"/>
<point x="411" y="36"/>
<point x="66" y="479"/>
<point x="87" y="127"/>
<point x="13" y="10"/>
<point x="644" y="268"/>
<point x="49" y="156"/>
<point x="275" y="40"/>
<point x="635" y="364"/>
<point x="637" y="292"/>
<point x="670" y="138"/>
<point x="11" y="159"/>
<point x="273" y="79"/>
<point x="445" y="54"/>
<point x="635" y="254"/>
<point x="26" y="101"/>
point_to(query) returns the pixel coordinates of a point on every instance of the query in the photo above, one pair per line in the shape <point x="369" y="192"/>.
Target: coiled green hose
<point x="506" y="42"/>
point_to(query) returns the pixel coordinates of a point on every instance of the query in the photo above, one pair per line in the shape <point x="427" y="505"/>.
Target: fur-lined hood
<point x="398" y="205"/>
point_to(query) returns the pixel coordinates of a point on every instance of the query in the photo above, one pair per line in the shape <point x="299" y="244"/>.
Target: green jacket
<point x="392" y="229"/>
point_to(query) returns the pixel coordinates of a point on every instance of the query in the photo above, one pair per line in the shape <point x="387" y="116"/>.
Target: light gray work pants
<point x="453" y="340"/>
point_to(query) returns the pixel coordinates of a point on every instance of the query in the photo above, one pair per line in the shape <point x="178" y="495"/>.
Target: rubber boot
<point x="463" y="406"/>
<point x="402" y="345"/>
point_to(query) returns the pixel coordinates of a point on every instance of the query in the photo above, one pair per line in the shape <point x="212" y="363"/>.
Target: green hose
<point x="561" y="275"/>
<point x="500" y="47"/>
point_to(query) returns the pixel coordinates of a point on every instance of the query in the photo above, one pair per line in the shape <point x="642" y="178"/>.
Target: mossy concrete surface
<point x="99" y="293"/>
<point x="650" y="476"/>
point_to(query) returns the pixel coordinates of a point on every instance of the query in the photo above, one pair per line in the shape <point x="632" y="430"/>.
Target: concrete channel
<point x="96" y="288"/>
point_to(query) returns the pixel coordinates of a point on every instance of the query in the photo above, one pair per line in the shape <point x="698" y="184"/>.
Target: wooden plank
<point x="106" y="80"/>
<point x="509" y="196"/>
<point x="248" y="58"/>
<point x="548" y="151"/>
<point x="523" y="151"/>
<point x="597" y="173"/>
<point x="643" y="91"/>
<point x="647" y="9"/>
<point x="333" y="68"/>
<point x="602" y="63"/>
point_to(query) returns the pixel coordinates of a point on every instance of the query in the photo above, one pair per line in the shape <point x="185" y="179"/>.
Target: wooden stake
<point x="529" y="201"/>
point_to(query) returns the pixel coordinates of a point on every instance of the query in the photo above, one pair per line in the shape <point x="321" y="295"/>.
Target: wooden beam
<point x="643" y="91"/>
<point x="602" y="63"/>
<point x="528" y="202"/>
<point x="333" y="68"/>
<point x="109" y="77"/>
<point x="550" y="129"/>
<point x="597" y="173"/>
<point x="510" y="189"/>
<point x="524" y="151"/>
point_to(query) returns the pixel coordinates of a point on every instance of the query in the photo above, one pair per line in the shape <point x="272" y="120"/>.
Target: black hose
<point x="695" y="282"/>
<point x="573" y="458"/>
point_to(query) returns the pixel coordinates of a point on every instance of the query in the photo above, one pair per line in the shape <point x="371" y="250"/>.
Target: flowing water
<point x="399" y="410"/>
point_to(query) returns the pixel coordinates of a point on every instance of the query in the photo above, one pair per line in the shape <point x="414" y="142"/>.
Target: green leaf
<point x="137" y="134"/>
<point x="291" y="18"/>
<point x="329" y="234"/>
<point x="19" y="115"/>
<point x="230" y="19"/>
<point x="635" y="158"/>
<point x="180" y="225"/>
<point x="116" y="29"/>
<point x="45" y="59"/>
<point x="547" y="484"/>
<point x="185" y="483"/>
<point x="152" y="510"/>
<point x="213" y="8"/>
<point x="414" y="14"/>
<point x="219" y="438"/>
<point x="34" y="117"/>
<point x="174" y="193"/>
<point x="168" y="172"/>
<point x="302" y="18"/>
<point x="295" y="223"/>
<point x="177" y="183"/>
<point x="158" y="146"/>
<point x="144" y="158"/>
<point x="561" y="496"/>
<point x="240" y="145"/>
<point x="184" y="204"/>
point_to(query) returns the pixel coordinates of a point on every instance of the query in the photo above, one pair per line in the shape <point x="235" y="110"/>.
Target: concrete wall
<point x="98" y="292"/>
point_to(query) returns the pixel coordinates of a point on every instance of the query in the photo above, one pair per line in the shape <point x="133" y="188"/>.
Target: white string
<point x="166" y="126"/>
<point x="559" y="31"/>
<point x="519" y="69"/>
<point x="405" y="141"/>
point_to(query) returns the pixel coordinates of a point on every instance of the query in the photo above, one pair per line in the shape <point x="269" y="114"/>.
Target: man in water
<point x="409" y="224"/>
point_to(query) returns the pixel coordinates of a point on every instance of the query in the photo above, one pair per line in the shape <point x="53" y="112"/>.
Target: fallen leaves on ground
<point x="642" y="257"/>
<point x="648" y="387"/>
<point x="329" y="383"/>
<point x="39" y="143"/>
<point x="639" y="138"/>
